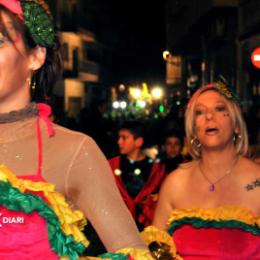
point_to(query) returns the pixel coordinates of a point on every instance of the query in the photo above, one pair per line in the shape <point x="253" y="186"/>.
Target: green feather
<point x="39" y="22"/>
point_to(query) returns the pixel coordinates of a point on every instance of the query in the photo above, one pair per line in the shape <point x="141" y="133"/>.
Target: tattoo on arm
<point x="252" y="185"/>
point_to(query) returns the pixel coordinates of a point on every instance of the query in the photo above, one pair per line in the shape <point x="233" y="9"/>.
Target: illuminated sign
<point x="255" y="57"/>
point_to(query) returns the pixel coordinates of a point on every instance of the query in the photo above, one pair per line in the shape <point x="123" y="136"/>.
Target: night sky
<point x="135" y="33"/>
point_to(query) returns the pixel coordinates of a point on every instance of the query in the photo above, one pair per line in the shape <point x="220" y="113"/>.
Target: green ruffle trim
<point x="202" y="223"/>
<point x="114" y="256"/>
<point x="13" y="199"/>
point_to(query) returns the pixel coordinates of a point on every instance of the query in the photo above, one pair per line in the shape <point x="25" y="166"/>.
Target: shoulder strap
<point x="44" y="111"/>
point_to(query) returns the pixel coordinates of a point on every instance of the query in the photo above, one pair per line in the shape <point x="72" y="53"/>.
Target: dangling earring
<point x="236" y="138"/>
<point x="32" y="85"/>
<point x="195" y="142"/>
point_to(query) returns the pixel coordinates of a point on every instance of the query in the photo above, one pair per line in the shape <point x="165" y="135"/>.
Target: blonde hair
<point x="241" y="137"/>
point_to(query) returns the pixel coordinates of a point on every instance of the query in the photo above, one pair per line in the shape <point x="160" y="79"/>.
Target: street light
<point x="157" y="93"/>
<point x="135" y="92"/>
<point x="166" y="55"/>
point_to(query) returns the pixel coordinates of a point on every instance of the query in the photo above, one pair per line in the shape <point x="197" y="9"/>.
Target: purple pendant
<point x="212" y="187"/>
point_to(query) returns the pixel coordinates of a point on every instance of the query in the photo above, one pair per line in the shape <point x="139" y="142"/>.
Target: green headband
<point x="39" y="21"/>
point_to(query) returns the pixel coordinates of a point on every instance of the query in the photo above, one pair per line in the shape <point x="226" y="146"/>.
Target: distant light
<point x="203" y="66"/>
<point x="178" y="103"/>
<point x="136" y="92"/>
<point x="116" y="104"/>
<point x="166" y="55"/>
<point x="157" y="92"/>
<point x="123" y="104"/>
<point x="121" y="87"/>
<point x="161" y="108"/>
<point x="141" y="103"/>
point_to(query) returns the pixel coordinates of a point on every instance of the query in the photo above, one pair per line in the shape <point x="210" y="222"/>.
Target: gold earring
<point x="195" y="142"/>
<point x="33" y="85"/>
<point x="236" y="138"/>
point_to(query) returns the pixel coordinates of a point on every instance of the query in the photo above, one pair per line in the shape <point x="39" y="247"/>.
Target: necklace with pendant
<point x="212" y="185"/>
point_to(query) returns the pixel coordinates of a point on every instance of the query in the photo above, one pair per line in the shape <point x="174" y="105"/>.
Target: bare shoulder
<point x="249" y="173"/>
<point x="66" y="142"/>
<point x="249" y="168"/>
<point x="178" y="177"/>
<point x="70" y="137"/>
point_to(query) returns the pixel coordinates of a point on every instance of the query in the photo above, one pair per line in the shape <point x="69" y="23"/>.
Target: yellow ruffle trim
<point x="136" y="253"/>
<point x="219" y="214"/>
<point x="152" y="233"/>
<point x="72" y="222"/>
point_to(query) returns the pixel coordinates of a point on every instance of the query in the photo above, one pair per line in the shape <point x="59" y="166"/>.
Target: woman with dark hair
<point x="210" y="206"/>
<point x="47" y="163"/>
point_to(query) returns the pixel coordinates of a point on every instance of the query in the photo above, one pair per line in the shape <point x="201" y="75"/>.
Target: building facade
<point x="213" y="38"/>
<point x="83" y="77"/>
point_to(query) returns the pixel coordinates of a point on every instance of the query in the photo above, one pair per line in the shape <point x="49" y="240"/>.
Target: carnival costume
<point x="227" y="232"/>
<point x="221" y="233"/>
<point x="224" y="233"/>
<point x="146" y="198"/>
<point x="36" y="221"/>
<point x="51" y="171"/>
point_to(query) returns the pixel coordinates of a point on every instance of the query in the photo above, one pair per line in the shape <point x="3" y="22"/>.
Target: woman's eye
<point x="199" y="112"/>
<point x="3" y="39"/>
<point x="221" y="109"/>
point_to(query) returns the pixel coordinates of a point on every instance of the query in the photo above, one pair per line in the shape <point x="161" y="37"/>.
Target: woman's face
<point x="14" y="68"/>
<point x="213" y="125"/>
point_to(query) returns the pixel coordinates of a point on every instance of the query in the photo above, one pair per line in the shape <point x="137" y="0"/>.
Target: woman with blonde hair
<point x="211" y="206"/>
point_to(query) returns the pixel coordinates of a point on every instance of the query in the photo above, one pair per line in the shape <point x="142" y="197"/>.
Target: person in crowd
<point x="171" y="150"/>
<point x="138" y="177"/>
<point x="210" y="206"/>
<point x="51" y="177"/>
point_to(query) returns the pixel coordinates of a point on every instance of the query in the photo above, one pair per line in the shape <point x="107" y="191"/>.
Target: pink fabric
<point x="28" y="239"/>
<point x="44" y="113"/>
<point x="24" y="241"/>
<point x="14" y="6"/>
<point x="216" y="244"/>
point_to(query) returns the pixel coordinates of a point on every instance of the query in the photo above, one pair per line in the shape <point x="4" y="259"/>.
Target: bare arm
<point x="165" y="204"/>
<point x="91" y="186"/>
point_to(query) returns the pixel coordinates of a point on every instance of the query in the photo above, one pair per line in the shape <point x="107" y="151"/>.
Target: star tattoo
<point x="249" y="187"/>
<point x="253" y="185"/>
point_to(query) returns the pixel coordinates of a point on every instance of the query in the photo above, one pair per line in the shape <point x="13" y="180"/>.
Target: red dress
<point x="225" y="233"/>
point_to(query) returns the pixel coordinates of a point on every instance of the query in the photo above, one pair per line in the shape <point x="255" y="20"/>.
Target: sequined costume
<point x="37" y="222"/>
